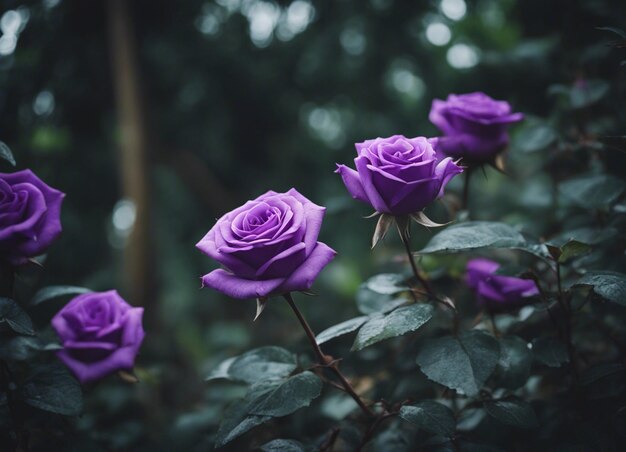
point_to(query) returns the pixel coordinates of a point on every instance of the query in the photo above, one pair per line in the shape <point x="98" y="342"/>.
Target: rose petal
<point x="446" y="170"/>
<point x="236" y="287"/>
<point x="304" y="276"/>
<point x="283" y="263"/>
<point x="479" y="269"/>
<point x="352" y="182"/>
<point x="365" y="176"/>
<point x="120" y="359"/>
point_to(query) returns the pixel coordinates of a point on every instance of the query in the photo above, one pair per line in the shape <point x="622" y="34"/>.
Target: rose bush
<point x="398" y="175"/>
<point x="100" y="334"/>
<point x="497" y="290"/>
<point x="29" y="215"/>
<point x="268" y="246"/>
<point x="474" y="125"/>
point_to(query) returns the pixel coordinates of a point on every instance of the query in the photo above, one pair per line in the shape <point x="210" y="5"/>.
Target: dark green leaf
<point x="593" y="192"/>
<point x="474" y="235"/>
<point x="515" y="362"/>
<point x="52" y="292"/>
<point x="600" y="371"/>
<point x="550" y="352"/>
<point x="617" y="31"/>
<point x="15" y="317"/>
<point x="431" y="416"/>
<point x="370" y="302"/>
<point x="283" y="445"/>
<point x="591" y="236"/>
<point x="573" y="249"/>
<point x="534" y="138"/>
<point x="20" y="348"/>
<point x="462" y="363"/>
<point x="588" y="92"/>
<point x="51" y="387"/>
<point x="237" y="419"/>
<point x="398" y="322"/>
<point x="340" y="329"/>
<point x="387" y="283"/>
<point x="6" y="154"/>
<point x="260" y="364"/>
<point x="289" y="395"/>
<point x="609" y="285"/>
<point x="514" y="412"/>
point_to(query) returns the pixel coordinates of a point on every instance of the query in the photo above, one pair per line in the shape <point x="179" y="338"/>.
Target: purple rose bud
<point x="100" y="334"/>
<point x="474" y="125"/>
<point x="498" y="290"/>
<point x="398" y="175"/>
<point x="29" y="216"/>
<point x="268" y="246"/>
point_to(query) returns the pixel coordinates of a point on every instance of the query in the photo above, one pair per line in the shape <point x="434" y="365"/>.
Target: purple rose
<point x="268" y="246"/>
<point x="29" y="216"/>
<point x="474" y="125"/>
<point x="100" y="334"/>
<point x="398" y="175"/>
<point x="498" y="290"/>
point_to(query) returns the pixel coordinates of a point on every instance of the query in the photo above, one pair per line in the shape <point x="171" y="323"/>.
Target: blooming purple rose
<point x="398" y="175"/>
<point x="498" y="290"/>
<point x="268" y="246"/>
<point x="100" y="334"/>
<point x="474" y="125"/>
<point x="29" y="216"/>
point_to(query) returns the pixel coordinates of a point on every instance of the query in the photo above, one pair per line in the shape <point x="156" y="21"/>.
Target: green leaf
<point x="593" y="192"/>
<point x="430" y="416"/>
<point x="387" y="283"/>
<point x="260" y="364"/>
<point x="463" y="363"/>
<point x="535" y="137"/>
<point x="6" y="154"/>
<point x="277" y="397"/>
<point x="398" y="322"/>
<point x="515" y="362"/>
<point x="474" y="235"/>
<point x="15" y="317"/>
<point x="283" y="445"/>
<point x="236" y="419"/>
<point x="513" y="411"/>
<point x="572" y="249"/>
<point x="550" y="352"/>
<point x="370" y="302"/>
<point x="600" y="371"/>
<point x="617" y="31"/>
<point x="21" y="348"/>
<point x="289" y="395"/>
<point x="50" y="387"/>
<point x="590" y="236"/>
<point x="609" y="285"/>
<point x="52" y="292"/>
<point x="588" y="92"/>
<point x="340" y="329"/>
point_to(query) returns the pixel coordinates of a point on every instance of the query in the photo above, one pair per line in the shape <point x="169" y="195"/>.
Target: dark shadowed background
<point x="156" y="117"/>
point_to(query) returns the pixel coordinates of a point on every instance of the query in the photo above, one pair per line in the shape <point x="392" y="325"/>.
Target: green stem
<point x="325" y="360"/>
<point x="567" y="312"/>
<point x="424" y="282"/>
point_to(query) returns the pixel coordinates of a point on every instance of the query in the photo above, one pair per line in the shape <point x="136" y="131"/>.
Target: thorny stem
<point x="372" y="428"/>
<point x="325" y="360"/>
<point x="567" y="312"/>
<point x="425" y="284"/>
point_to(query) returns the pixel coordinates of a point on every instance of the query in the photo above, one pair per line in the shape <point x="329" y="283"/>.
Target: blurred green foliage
<point x="251" y="95"/>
